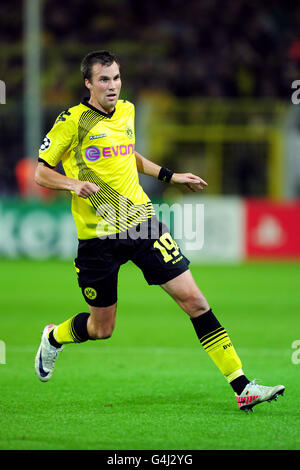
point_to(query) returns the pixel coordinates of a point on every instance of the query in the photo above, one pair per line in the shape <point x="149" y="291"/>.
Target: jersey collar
<point x="86" y="103"/>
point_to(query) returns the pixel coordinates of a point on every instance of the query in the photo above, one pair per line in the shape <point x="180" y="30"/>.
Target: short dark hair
<point x="103" y="57"/>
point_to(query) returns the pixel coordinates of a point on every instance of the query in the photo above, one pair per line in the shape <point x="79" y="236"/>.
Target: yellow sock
<point x="73" y="330"/>
<point x="218" y="346"/>
<point x="62" y="333"/>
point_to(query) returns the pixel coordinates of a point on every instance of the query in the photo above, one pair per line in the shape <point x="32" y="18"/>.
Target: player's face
<point x="105" y="86"/>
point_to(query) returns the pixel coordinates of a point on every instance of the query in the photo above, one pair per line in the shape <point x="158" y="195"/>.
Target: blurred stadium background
<point x="212" y="84"/>
<point x="212" y="90"/>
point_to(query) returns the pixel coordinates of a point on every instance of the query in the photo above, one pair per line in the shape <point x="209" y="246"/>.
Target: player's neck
<point x="98" y="106"/>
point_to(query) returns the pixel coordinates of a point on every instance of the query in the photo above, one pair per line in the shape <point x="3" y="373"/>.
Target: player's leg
<point x="101" y="297"/>
<point x="101" y="322"/>
<point x="98" y="324"/>
<point x="184" y="290"/>
<point x="217" y="343"/>
<point x="163" y="263"/>
<point x="210" y="332"/>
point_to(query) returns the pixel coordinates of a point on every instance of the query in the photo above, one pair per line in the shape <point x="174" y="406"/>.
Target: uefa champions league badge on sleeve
<point x="46" y="143"/>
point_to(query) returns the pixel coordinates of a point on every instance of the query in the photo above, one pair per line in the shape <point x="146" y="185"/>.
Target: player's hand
<point x="193" y="182"/>
<point x="85" y="189"/>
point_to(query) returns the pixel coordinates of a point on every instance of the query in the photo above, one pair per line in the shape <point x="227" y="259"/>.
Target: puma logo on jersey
<point x="99" y="136"/>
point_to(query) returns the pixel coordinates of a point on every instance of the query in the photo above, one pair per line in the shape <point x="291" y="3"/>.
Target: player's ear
<point x="87" y="83"/>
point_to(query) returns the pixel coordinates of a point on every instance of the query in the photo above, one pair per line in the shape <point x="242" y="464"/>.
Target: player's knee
<point x="103" y="334"/>
<point x="196" y="304"/>
<point x="101" y="331"/>
<point x="101" y="323"/>
<point x="107" y="332"/>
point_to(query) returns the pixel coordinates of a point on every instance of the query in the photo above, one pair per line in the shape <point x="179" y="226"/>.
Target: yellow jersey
<point x="98" y="147"/>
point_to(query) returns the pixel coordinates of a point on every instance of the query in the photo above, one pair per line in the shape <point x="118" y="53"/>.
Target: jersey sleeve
<point x="58" y="140"/>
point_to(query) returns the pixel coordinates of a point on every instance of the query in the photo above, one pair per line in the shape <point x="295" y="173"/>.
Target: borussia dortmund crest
<point x="90" y="293"/>
<point x="129" y="132"/>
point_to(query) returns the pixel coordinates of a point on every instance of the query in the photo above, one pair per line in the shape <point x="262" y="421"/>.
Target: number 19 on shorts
<point x="168" y="248"/>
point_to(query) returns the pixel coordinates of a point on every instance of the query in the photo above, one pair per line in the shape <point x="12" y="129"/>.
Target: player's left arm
<point x="147" y="167"/>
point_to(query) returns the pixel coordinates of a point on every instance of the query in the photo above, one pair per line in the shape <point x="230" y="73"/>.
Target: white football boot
<point x="253" y="394"/>
<point x="46" y="356"/>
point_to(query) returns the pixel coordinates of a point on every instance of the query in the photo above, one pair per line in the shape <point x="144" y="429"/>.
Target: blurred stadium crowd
<point x="198" y="48"/>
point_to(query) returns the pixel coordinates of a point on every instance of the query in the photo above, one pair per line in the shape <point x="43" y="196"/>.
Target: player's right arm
<point x="56" y="145"/>
<point x="49" y="178"/>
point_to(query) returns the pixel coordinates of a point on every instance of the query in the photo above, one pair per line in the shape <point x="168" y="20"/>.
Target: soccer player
<point x="115" y="220"/>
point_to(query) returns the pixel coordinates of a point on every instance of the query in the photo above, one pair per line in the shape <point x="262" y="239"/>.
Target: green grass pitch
<point x="150" y="386"/>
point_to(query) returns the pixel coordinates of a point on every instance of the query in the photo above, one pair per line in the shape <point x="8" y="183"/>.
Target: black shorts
<point x="149" y="246"/>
